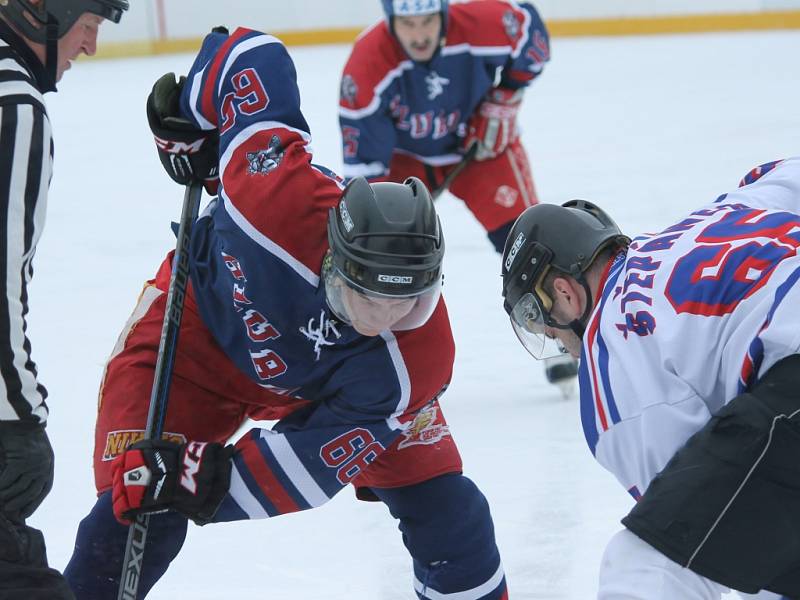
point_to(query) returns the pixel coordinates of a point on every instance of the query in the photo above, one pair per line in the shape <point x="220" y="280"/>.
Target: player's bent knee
<point x="442" y="518"/>
<point x="96" y="564"/>
<point x="633" y="570"/>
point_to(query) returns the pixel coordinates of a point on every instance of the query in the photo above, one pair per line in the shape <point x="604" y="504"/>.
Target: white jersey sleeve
<point x="689" y="318"/>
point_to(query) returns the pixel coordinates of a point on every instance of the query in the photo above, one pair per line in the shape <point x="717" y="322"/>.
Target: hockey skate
<point x="562" y="371"/>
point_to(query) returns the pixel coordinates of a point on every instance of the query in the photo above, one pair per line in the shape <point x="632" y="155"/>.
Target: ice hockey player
<point x="432" y="81"/>
<point x="38" y="41"/>
<point x="312" y="304"/>
<point x="689" y="380"/>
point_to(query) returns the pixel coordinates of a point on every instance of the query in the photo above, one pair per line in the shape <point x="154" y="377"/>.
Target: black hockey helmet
<point x="549" y="237"/>
<point x="53" y="19"/>
<point x="385" y="242"/>
<point x="60" y="14"/>
<point x="414" y="8"/>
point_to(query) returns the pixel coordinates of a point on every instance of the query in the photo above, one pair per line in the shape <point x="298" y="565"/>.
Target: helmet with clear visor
<point x="384" y="268"/>
<point x="549" y="238"/>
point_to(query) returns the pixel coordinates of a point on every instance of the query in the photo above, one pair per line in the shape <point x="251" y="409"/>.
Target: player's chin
<point x="422" y="54"/>
<point x="573" y="347"/>
<point x="367" y="329"/>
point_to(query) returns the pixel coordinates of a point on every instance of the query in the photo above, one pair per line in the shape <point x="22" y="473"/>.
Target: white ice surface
<point x="648" y="127"/>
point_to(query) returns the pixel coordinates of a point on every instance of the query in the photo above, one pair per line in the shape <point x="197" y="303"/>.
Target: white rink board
<point x="181" y="19"/>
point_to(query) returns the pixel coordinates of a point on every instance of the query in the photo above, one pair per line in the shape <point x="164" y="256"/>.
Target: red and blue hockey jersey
<point x="256" y="257"/>
<point x="390" y="103"/>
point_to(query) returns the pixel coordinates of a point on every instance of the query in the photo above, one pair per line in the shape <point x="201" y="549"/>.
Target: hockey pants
<point x="24" y="574"/>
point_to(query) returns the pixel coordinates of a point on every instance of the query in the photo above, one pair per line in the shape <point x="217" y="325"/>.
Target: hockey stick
<point x="137" y="534"/>
<point x="465" y="160"/>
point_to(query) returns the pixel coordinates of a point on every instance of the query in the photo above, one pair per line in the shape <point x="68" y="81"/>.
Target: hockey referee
<point x="38" y="41"/>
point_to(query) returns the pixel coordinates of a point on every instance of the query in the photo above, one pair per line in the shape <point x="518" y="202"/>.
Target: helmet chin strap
<point x="51" y="49"/>
<point x="578" y="326"/>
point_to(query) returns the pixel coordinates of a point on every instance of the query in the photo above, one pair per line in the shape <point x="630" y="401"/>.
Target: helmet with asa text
<point x="414" y="8"/>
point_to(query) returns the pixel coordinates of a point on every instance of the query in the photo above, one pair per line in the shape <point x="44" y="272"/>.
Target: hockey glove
<point x="187" y="153"/>
<point x="26" y="467"/>
<point x="157" y="475"/>
<point x="493" y="126"/>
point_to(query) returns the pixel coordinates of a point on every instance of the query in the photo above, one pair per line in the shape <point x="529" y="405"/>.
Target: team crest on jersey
<point x="118" y="441"/>
<point x="424" y="430"/>
<point x="348" y="90"/>
<point x="435" y="84"/>
<point x="511" y="24"/>
<point x="264" y="161"/>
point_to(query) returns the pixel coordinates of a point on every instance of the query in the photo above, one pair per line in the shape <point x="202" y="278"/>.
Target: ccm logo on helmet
<point x="401" y="279"/>
<point x="346" y="219"/>
<point x="512" y="254"/>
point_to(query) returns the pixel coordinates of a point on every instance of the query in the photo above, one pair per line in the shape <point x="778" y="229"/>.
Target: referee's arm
<point x="25" y="170"/>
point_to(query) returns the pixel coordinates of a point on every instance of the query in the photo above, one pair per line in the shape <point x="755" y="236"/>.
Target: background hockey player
<point x="38" y="41"/>
<point x="430" y="82"/>
<point x="689" y="378"/>
<point x="310" y="305"/>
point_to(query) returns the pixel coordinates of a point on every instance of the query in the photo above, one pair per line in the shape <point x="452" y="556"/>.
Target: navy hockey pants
<point x="24" y="574"/>
<point x="445" y="523"/>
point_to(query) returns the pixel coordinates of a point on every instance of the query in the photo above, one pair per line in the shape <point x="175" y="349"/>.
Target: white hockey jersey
<point x="689" y="318"/>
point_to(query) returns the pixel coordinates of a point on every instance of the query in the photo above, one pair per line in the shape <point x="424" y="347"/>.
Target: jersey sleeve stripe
<point x="611" y="403"/>
<point x="588" y="415"/>
<point x="752" y="361"/>
<point x="596" y="380"/>
<point x="241" y="48"/>
<point x="374" y="104"/>
<point x="207" y="100"/>
<point x="242" y="492"/>
<point x="477" y="50"/>
<point x="256" y="456"/>
<point x="262" y="240"/>
<point x="194" y="104"/>
<point x="403" y="380"/>
<point x="24" y="169"/>
<point x="522" y="42"/>
<point x="593" y="368"/>
<point x="291" y="464"/>
<point x="759" y="172"/>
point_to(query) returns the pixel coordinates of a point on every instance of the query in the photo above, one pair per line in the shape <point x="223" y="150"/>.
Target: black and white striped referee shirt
<point x="26" y="164"/>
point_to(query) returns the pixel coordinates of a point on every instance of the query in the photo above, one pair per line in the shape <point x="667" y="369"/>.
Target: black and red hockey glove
<point x="186" y="152"/>
<point x="158" y="475"/>
<point x="493" y="126"/>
